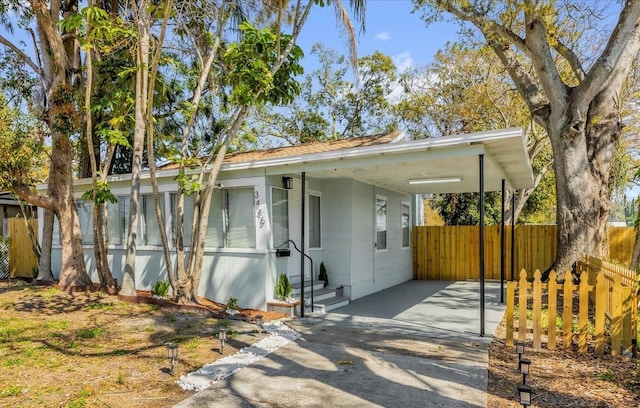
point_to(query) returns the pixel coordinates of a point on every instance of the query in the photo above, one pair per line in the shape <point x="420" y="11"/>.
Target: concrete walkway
<point x="413" y="345"/>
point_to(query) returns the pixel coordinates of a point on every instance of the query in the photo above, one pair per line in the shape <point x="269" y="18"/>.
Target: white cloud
<point x="384" y="36"/>
<point x="403" y="61"/>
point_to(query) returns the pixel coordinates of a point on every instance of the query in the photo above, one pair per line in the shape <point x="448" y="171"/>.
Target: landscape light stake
<point x="520" y="349"/>
<point x="525" y="393"/>
<point x="222" y="335"/>
<point x="259" y="323"/>
<point x="524" y="365"/>
<point x="172" y="355"/>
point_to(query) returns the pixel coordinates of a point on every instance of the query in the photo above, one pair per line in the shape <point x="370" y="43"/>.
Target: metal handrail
<point x="302" y="274"/>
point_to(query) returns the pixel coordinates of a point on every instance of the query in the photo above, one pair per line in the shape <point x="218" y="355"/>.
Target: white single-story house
<point x="360" y="199"/>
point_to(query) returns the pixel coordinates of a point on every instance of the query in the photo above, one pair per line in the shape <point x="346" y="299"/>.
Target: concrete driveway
<point x="413" y="345"/>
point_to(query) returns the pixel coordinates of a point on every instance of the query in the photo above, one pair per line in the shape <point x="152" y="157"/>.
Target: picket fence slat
<point x="607" y="295"/>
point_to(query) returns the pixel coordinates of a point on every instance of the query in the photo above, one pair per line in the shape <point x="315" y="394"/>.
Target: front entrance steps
<point x="324" y="299"/>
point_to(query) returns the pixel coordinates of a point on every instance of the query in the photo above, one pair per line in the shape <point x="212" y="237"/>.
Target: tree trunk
<point x="583" y="170"/>
<point x="44" y="266"/>
<point x="74" y="271"/>
<point x="142" y="81"/>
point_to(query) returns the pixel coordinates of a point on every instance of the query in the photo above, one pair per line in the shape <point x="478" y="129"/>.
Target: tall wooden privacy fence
<point x="601" y="310"/>
<point x="451" y="252"/>
<point x="22" y="260"/>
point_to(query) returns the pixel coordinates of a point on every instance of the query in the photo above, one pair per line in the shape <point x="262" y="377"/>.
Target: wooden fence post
<point x="601" y="290"/>
<point x="625" y="298"/>
<point x="552" y="310"/>
<point x="522" y="306"/>
<point x="511" y="289"/>
<point x="616" y="316"/>
<point x="583" y="313"/>
<point x="567" y="316"/>
<point x="537" y="308"/>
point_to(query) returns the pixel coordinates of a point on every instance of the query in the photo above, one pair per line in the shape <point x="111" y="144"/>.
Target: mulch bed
<point x="562" y="378"/>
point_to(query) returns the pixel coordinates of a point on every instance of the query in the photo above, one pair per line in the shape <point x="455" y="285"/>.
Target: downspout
<point x="481" y="204"/>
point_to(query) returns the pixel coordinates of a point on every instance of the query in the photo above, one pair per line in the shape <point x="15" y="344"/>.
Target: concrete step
<point x="322" y="294"/>
<point x="327" y="305"/>
<point x="317" y="285"/>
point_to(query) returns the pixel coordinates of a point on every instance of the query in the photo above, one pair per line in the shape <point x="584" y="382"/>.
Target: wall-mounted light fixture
<point x="287" y="182"/>
<point x="436" y="180"/>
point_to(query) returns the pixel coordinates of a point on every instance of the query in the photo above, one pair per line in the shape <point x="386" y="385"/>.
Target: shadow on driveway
<point x="391" y="349"/>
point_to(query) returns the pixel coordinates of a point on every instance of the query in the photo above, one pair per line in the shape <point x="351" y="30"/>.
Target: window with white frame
<point x="381" y="222"/>
<point x="240" y="218"/>
<point x="85" y="217"/>
<point x="216" y="223"/>
<point x="315" y="221"/>
<point x="230" y="223"/>
<point x="149" y="220"/>
<point x="115" y="224"/>
<point x="280" y="215"/>
<point x="405" y="221"/>
<point x="187" y="218"/>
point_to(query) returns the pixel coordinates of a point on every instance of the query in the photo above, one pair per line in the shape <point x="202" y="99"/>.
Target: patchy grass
<point x="91" y="350"/>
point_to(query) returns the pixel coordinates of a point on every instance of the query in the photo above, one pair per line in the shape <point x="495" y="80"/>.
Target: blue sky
<point x="391" y="28"/>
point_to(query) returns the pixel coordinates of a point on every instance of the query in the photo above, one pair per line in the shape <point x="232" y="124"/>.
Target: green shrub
<point x="323" y="276"/>
<point x="232" y="303"/>
<point x="283" y="287"/>
<point x="161" y="288"/>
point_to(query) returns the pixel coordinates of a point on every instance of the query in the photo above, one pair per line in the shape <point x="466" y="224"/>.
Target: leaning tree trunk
<point x="583" y="167"/>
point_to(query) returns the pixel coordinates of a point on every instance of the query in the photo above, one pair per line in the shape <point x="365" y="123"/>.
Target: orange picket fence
<point x="601" y="310"/>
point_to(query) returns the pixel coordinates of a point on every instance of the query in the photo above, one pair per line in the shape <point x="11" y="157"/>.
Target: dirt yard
<point x="562" y="378"/>
<point x="92" y="350"/>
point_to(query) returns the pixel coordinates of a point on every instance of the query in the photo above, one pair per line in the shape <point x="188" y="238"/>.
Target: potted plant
<point x="323" y="276"/>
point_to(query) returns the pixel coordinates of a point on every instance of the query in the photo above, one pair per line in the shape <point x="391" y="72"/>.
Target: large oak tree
<point x="537" y="41"/>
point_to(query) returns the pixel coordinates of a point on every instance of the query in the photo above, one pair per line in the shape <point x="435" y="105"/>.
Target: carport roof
<point x="439" y="165"/>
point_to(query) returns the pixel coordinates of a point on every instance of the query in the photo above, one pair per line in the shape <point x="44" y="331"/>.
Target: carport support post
<point x="513" y="234"/>
<point x="302" y="226"/>
<point x="502" y="248"/>
<point x="481" y="204"/>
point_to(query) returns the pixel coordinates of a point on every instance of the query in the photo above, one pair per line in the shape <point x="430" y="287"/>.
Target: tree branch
<point x="544" y="64"/>
<point x="532" y="95"/>
<point x="615" y="61"/>
<point x="24" y="193"/>
<point x="24" y="57"/>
